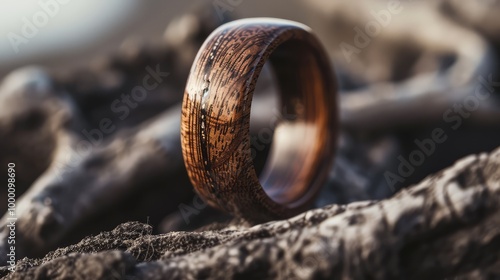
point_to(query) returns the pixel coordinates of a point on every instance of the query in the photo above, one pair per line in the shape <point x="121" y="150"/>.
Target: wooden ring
<point x="215" y="120"/>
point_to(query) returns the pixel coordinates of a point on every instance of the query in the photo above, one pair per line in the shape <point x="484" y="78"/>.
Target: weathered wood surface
<point x="445" y="226"/>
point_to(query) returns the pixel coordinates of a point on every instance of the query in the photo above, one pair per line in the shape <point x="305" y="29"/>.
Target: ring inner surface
<point x="290" y="170"/>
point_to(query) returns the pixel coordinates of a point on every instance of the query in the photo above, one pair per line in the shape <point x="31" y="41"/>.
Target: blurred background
<point x="79" y="30"/>
<point x="418" y="83"/>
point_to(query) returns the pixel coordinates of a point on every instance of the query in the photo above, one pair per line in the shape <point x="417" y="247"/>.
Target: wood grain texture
<point x="216" y="110"/>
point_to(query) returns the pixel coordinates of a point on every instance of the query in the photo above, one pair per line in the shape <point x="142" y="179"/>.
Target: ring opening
<point x="290" y="169"/>
<point x="264" y="117"/>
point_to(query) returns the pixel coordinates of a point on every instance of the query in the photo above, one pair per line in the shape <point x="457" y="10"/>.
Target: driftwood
<point x="445" y="226"/>
<point x="389" y="75"/>
<point x="395" y="105"/>
<point x="76" y="186"/>
<point x="384" y="41"/>
<point x="30" y="115"/>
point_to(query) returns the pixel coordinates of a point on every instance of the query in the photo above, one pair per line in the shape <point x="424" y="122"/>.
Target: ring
<point x="215" y="121"/>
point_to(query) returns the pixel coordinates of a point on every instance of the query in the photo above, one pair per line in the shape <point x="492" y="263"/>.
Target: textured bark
<point x="445" y="226"/>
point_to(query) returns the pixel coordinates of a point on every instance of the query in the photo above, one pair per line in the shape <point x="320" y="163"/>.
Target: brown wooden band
<point x="215" y="120"/>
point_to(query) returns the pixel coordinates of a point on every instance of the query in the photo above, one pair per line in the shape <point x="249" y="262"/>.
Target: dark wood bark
<point x="445" y="226"/>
